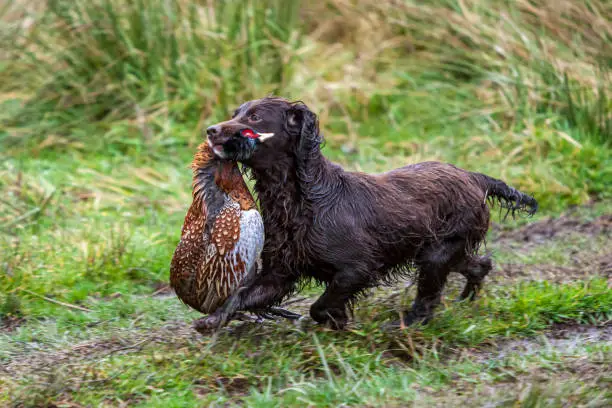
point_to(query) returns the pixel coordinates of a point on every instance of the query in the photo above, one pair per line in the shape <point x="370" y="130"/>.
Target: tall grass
<point x="528" y="57"/>
<point x="116" y="58"/>
<point x="129" y="72"/>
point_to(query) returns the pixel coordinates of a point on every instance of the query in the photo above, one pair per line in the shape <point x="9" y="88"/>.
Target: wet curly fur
<point x="352" y="231"/>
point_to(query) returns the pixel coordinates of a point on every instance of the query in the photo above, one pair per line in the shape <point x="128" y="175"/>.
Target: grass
<point x="102" y="104"/>
<point x="120" y="356"/>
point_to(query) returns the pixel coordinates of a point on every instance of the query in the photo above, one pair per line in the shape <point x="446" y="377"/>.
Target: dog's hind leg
<point x="474" y="269"/>
<point x="431" y="281"/>
<point x="434" y="263"/>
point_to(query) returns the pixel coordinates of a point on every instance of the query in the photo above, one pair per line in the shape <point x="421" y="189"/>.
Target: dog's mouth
<point x="217" y="149"/>
<point x="239" y="146"/>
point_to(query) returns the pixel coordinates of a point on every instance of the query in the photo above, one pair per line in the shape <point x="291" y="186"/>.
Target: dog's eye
<point x="254" y="117"/>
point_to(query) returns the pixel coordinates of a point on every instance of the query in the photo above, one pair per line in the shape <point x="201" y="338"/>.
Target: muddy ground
<point x="34" y="359"/>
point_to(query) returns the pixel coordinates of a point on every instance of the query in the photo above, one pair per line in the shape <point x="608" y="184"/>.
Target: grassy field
<point x="102" y="104"/>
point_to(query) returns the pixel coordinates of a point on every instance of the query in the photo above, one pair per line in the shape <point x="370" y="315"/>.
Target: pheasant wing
<point x="235" y="246"/>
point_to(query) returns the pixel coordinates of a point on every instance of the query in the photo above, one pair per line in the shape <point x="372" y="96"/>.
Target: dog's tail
<point x="507" y="197"/>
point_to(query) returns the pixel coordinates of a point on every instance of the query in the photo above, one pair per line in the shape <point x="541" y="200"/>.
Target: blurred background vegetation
<point x="519" y="89"/>
<point x="102" y="104"/>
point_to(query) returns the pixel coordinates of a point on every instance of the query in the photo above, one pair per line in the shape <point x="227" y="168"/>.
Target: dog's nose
<point x="213" y="131"/>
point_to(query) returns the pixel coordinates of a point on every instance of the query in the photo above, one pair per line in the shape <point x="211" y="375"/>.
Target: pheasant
<point x="221" y="239"/>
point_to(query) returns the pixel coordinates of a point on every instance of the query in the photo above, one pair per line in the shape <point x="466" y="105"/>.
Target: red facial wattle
<point x="249" y="133"/>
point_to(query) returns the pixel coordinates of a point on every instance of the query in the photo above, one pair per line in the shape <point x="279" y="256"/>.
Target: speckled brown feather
<point x="206" y="265"/>
<point x="226" y="229"/>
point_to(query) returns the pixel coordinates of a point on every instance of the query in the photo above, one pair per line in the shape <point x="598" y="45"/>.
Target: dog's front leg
<point x="258" y="294"/>
<point x="333" y="306"/>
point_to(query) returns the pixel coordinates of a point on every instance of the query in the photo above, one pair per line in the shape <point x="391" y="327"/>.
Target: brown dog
<point x="352" y="231"/>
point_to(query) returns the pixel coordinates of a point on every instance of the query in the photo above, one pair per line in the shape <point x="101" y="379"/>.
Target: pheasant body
<point x="222" y="236"/>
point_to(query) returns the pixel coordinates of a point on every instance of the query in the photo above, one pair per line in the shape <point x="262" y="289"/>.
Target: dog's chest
<point x="321" y="272"/>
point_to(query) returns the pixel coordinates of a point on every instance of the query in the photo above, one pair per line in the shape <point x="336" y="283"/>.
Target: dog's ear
<point x="303" y="125"/>
<point x="302" y="122"/>
<point x="294" y="121"/>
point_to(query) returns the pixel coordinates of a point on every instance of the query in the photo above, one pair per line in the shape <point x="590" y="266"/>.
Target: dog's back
<point x="439" y="199"/>
<point x="387" y="218"/>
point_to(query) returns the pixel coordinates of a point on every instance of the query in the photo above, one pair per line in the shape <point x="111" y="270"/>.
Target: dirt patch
<point x="42" y="361"/>
<point x="604" y="265"/>
<point x="571" y="383"/>
<point x="161" y="289"/>
<point x="561" y="338"/>
<point x="10" y="323"/>
<point x="235" y="386"/>
<point x="45" y="362"/>
<point x="542" y="231"/>
<point x="571" y="377"/>
<point x="582" y="262"/>
<point x="570" y="330"/>
<point x="582" y="266"/>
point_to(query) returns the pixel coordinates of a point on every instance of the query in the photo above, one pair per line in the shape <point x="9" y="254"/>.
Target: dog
<point x="349" y="230"/>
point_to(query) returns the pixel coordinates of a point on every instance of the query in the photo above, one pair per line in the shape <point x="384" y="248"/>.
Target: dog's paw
<point x="334" y="318"/>
<point x="414" y="319"/>
<point x="209" y="323"/>
<point x="408" y="319"/>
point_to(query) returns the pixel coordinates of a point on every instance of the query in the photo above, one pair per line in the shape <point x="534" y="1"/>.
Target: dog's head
<point x="264" y="131"/>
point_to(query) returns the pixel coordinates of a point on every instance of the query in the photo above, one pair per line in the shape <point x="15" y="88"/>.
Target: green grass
<point x="153" y="358"/>
<point x="102" y="104"/>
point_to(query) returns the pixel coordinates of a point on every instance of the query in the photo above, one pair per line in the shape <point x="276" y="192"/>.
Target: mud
<point x="582" y="262"/>
<point x="581" y="267"/>
<point x="237" y="386"/>
<point x="10" y="323"/>
<point x="542" y="231"/>
<point x="560" y="339"/>
<point x="162" y="289"/>
<point x="37" y="359"/>
<point x="554" y="384"/>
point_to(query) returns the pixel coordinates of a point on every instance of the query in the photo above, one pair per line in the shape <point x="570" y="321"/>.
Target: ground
<point x="539" y="335"/>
